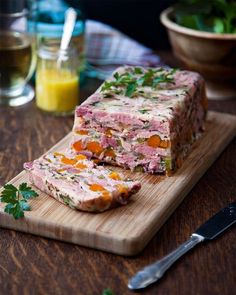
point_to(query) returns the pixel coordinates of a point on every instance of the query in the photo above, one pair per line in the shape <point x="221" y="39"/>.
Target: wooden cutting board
<point x="126" y="230"/>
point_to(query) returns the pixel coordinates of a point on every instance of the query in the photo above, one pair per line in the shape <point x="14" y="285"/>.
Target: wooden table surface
<point x="34" y="265"/>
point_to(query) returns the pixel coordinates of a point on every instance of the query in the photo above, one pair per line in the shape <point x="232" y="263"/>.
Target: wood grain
<point x="125" y="230"/>
<point x="33" y="265"/>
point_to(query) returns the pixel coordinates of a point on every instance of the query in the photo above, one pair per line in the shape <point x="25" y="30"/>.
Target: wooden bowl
<point x="212" y="55"/>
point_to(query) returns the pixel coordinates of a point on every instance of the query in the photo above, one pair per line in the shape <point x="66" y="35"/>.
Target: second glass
<point x="17" y="59"/>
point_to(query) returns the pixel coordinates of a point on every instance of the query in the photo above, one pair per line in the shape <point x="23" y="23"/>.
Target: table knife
<point x="208" y="231"/>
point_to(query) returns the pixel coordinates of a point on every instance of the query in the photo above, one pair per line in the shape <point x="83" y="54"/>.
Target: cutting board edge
<point x="121" y="243"/>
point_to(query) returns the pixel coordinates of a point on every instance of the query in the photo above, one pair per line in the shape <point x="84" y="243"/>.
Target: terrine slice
<point x="142" y="119"/>
<point x="79" y="183"/>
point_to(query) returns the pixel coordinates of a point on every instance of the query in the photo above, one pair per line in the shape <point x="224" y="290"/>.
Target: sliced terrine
<point x="142" y="119"/>
<point x="79" y="183"/>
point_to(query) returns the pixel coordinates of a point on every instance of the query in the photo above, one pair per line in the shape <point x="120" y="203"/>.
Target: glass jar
<point x="50" y="22"/>
<point x="57" y="81"/>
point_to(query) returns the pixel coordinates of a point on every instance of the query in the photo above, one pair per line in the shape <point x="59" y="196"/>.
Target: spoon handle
<point x="70" y="18"/>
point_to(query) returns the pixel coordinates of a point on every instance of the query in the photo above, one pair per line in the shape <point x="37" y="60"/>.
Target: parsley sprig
<point x="16" y="199"/>
<point x="107" y="292"/>
<point x="131" y="82"/>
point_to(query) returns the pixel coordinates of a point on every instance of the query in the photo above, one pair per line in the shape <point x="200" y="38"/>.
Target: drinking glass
<point x="17" y="58"/>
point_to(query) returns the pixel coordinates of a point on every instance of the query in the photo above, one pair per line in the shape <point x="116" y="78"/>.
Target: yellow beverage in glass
<point x="57" y="91"/>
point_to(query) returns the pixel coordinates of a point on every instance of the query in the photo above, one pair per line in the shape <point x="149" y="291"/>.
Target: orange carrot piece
<point x="68" y="161"/>
<point x="81" y="166"/>
<point x="106" y="196"/>
<point x="96" y="187"/>
<point x="80" y="157"/>
<point x="122" y="189"/>
<point x="82" y="132"/>
<point x="78" y="146"/>
<point x="110" y="153"/>
<point x="164" y="144"/>
<point x="154" y="141"/>
<point x="61" y="170"/>
<point x="94" y="147"/>
<point x="58" y="154"/>
<point x="115" y="176"/>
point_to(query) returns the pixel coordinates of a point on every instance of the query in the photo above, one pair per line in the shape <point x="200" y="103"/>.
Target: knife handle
<point x="155" y="271"/>
<point x="162" y="265"/>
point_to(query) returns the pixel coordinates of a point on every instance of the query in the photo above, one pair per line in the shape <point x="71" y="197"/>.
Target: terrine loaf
<point x="79" y="183"/>
<point x="142" y="119"/>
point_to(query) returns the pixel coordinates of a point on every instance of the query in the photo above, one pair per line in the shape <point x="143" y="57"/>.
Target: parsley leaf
<point x="143" y="111"/>
<point x="138" y="71"/>
<point x="116" y="76"/>
<point x="16" y="199"/>
<point x="130" y="89"/>
<point x="130" y="83"/>
<point x="15" y="210"/>
<point x="9" y="192"/>
<point x="26" y="191"/>
<point x="107" y="292"/>
<point x="24" y="205"/>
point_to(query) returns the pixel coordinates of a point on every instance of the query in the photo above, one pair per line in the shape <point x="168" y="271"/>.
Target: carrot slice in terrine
<point x="79" y="183"/>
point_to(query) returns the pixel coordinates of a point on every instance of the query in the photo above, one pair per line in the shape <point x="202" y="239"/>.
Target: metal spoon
<point x="70" y="19"/>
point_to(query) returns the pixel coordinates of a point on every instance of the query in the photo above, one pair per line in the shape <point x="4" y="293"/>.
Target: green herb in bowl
<point x="216" y="16"/>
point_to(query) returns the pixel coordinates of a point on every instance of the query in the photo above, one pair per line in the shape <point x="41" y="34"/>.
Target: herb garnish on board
<point x="16" y="199"/>
<point x="107" y="292"/>
<point x="131" y="82"/>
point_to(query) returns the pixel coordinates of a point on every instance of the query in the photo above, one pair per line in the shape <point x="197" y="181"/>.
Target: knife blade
<point x="208" y="231"/>
<point x="218" y="223"/>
